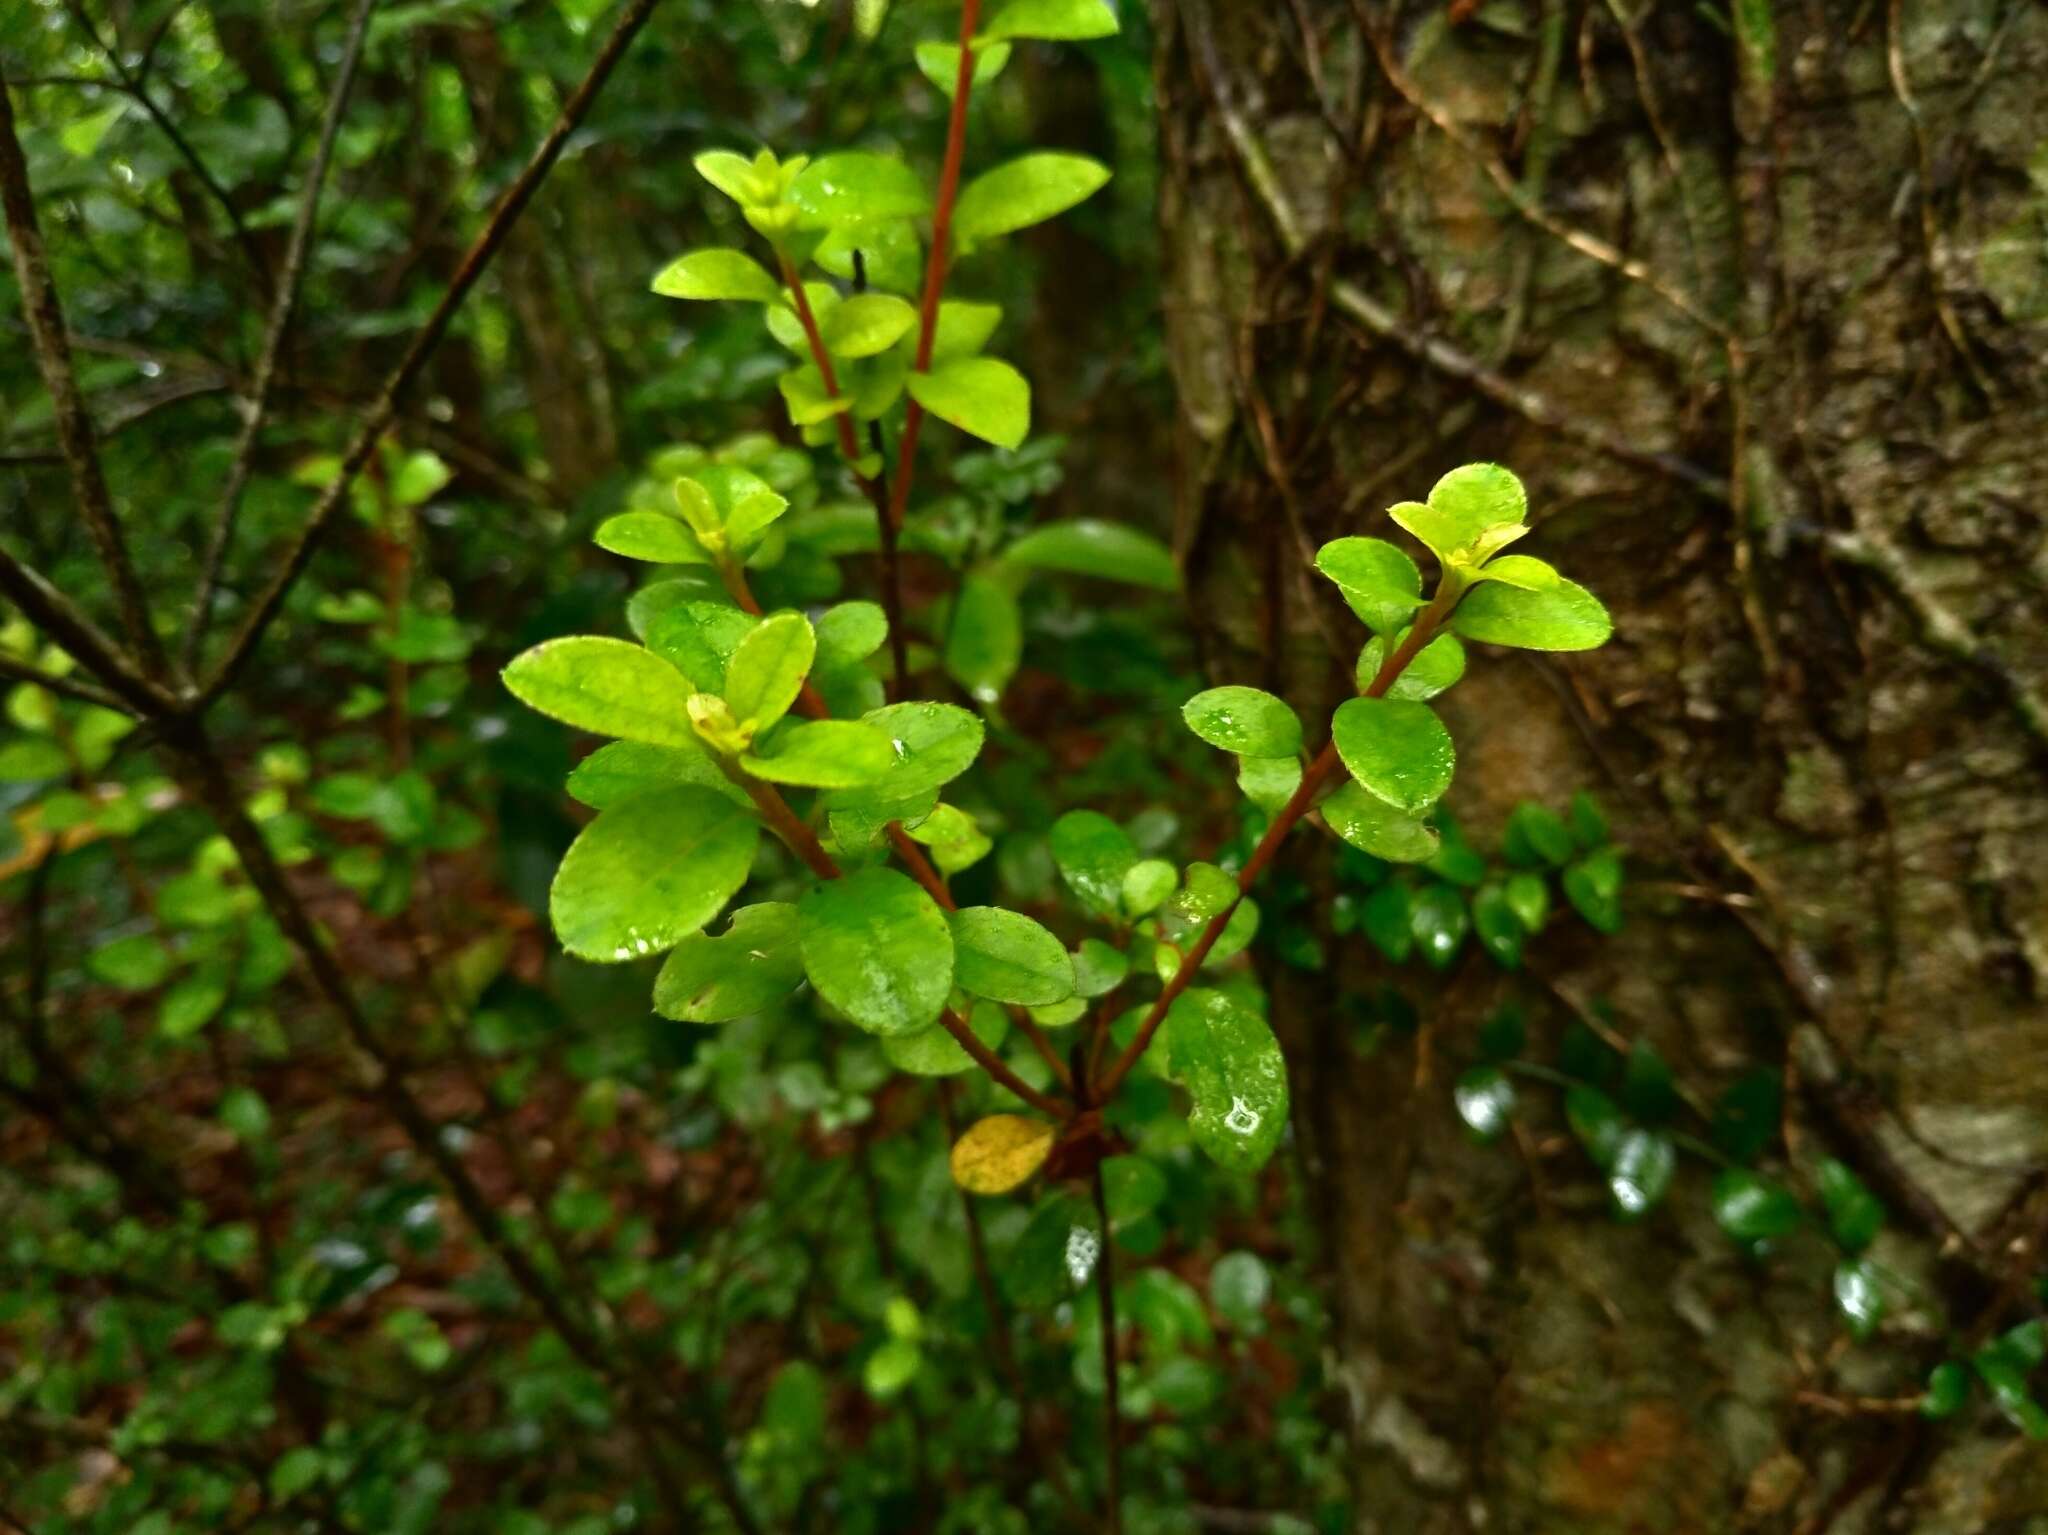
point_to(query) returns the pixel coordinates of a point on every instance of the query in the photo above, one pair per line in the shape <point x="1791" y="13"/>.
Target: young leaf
<point x="651" y="536"/>
<point x="1397" y="750"/>
<point x="748" y="968"/>
<point x="1026" y="191"/>
<point x="933" y="1052"/>
<point x="1007" y="957"/>
<point x="1373" y="826"/>
<point x="1093" y="854"/>
<point x="698" y="639"/>
<point x="998" y="1153"/>
<point x="1380" y="582"/>
<point x="1463" y="506"/>
<point x="983" y="396"/>
<point x="866" y="324"/>
<point x="963" y="330"/>
<point x="857" y="188"/>
<point x="610" y="687"/>
<point x="850" y="632"/>
<point x="1561" y="617"/>
<point x="1233" y="1070"/>
<point x="822" y="754"/>
<point x="1519" y="570"/>
<point x="955" y="838"/>
<point x="878" y="949"/>
<point x="733" y="174"/>
<point x="648" y="872"/>
<point x="1110" y="551"/>
<point x="717" y="274"/>
<point x="1061" y="21"/>
<point x="767" y="671"/>
<point x="1245" y="720"/>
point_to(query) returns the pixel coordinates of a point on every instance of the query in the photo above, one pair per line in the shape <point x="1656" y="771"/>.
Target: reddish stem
<point x="1320" y="772"/>
<point x="935" y="264"/>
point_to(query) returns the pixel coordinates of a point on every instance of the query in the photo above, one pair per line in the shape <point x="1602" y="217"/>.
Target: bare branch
<point x="88" y="644"/>
<point x="53" y="359"/>
<point x="70" y="687"/>
<point x="377" y="420"/>
<point x="287" y="297"/>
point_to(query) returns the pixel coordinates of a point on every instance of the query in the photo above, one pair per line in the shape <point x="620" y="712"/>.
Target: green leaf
<point x="610" y="687"/>
<point x="767" y="671"/>
<point x="1588" y="820"/>
<point x="1111" y="551"/>
<point x="1596" y="1120"/>
<point x="933" y="1052"/>
<point x="1593" y="886"/>
<point x="733" y="174"/>
<point x="1236" y="936"/>
<point x="822" y="754"/>
<point x="748" y="968"/>
<point x="135" y="963"/>
<point x="2006" y="1379"/>
<point x="1463" y="506"/>
<point x="857" y="188"/>
<point x="1536" y="835"/>
<point x="934" y="744"/>
<point x="1562" y="617"/>
<point x="963" y="329"/>
<point x="850" y="632"/>
<point x="1061" y="21"/>
<point x="191" y="1004"/>
<point x="654" y="537"/>
<point x="1644" y="1161"/>
<point x="1519" y="570"/>
<point x="1007" y="957"/>
<point x="1752" y="1209"/>
<point x="1230" y="1063"/>
<point x="1373" y="826"/>
<point x="698" y="639"/>
<point x="1646" y="1084"/>
<point x="1858" y="1297"/>
<point x="1268" y="782"/>
<point x="1486" y="1101"/>
<point x="1093" y="854"/>
<point x="1240" y="1287"/>
<point x="985" y="640"/>
<point x="983" y="396"/>
<point x="1147" y="883"/>
<point x="1397" y="749"/>
<point x="1529" y="899"/>
<point x="1026" y="191"/>
<point x="803" y="391"/>
<point x="1948" y="1389"/>
<point x="717" y="274"/>
<point x="866" y="324"/>
<point x="1433" y="669"/>
<point x="650" y="871"/>
<point x="1250" y="721"/>
<point x="940" y="64"/>
<point x="1854" y="1213"/>
<point x="1387" y="920"/>
<point x="1745" y="1119"/>
<point x="891" y="1367"/>
<point x="955" y="838"/>
<point x="1098" y="968"/>
<point x="878" y="949"/>
<point x="1380" y="583"/>
<point x="1500" y="930"/>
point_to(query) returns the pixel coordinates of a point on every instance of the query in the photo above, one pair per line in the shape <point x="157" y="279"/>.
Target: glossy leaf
<point x="717" y="274"/>
<point x="610" y="687"/>
<point x="1433" y="669"/>
<point x="1147" y="883"/>
<point x="1396" y="750"/>
<point x="768" y="668"/>
<point x="1854" y="1214"/>
<point x="934" y="744"/>
<point x="850" y="632"/>
<point x="1230" y="1063"/>
<point x="983" y="396"/>
<point x="1026" y="191"/>
<point x="653" y="537"/>
<point x="1500" y="931"/>
<point x="750" y="967"/>
<point x="1052" y="20"/>
<point x="822" y="754"/>
<point x="1752" y="1209"/>
<point x="1485" y="1098"/>
<point x="940" y="64"/>
<point x="866" y="324"/>
<point x="1640" y="1176"/>
<point x="1373" y="826"/>
<point x="858" y="188"/>
<point x="1561" y="617"/>
<point x="1093" y="855"/>
<point x="1007" y="957"/>
<point x="698" y="639"/>
<point x="617" y="772"/>
<point x="878" y="949"/>
<point x="1098" y="968"/>
<point x="650" y="871"/>
<point x="1380" y="583"/>
<point x="1268" y="782"/>
<point x="934" y="1052"/>
<point x="1462" y="507"/>
<point x="998" y="1153"/>
<point x="1858" y="1297"/>
<point x="1250" y="721"/>
<point x="1593" y="886"/>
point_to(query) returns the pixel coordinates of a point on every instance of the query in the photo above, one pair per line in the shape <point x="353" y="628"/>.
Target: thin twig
<point x="378" y="418"/>
<point x="1112" y="1413"/>
<point x="286" y="300"/>
<point x="45" y="316"/>
<point x="70" y="687"/>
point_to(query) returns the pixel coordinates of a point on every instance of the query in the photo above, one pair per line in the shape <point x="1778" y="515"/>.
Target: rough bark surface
<point x="1789" y="418"/>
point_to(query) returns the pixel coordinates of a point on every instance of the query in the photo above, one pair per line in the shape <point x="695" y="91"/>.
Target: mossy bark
<point x="1757" y="304"/>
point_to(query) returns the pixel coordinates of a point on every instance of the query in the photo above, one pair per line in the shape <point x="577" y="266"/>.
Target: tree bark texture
<point x="1757" y="304"/>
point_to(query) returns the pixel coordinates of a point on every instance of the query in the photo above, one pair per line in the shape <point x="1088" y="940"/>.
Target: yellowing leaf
<point x="1000" y="1152"/>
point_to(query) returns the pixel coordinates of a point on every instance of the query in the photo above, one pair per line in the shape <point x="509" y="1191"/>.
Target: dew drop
<point x="1242" y="1118"/>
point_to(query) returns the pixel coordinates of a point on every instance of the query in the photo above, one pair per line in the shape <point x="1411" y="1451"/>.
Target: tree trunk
<point x="1757" y="308"/>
